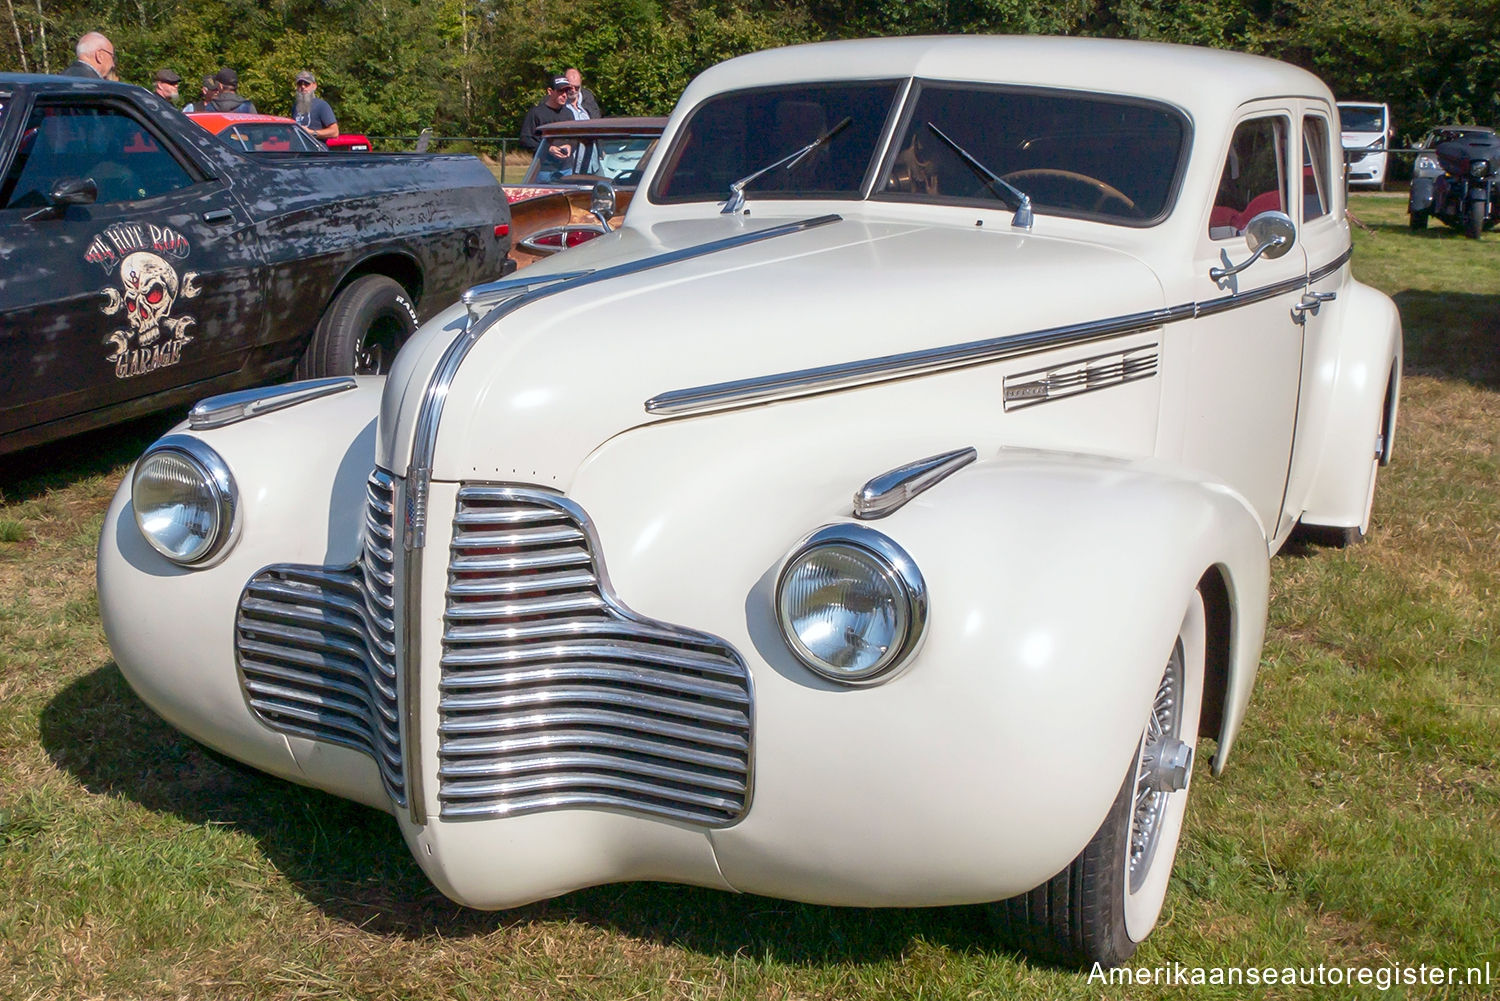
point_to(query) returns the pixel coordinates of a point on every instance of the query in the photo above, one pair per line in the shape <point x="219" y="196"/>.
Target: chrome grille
<point x="555" y="695"/>
<point x="316" y="646"/>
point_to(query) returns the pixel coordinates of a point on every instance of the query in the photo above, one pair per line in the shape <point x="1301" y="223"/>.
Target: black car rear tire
<point x="361" y="331"/>
<point x="1474" y="219"/>
<point x="1419" y="218"/>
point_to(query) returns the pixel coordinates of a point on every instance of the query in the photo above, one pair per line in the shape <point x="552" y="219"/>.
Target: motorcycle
<point x="1454" y="180"/>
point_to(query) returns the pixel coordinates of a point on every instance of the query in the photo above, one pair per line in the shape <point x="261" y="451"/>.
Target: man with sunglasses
<point x="96" y="58"/>
<point x="556" y="158"/>
<point x="312" y="112"/>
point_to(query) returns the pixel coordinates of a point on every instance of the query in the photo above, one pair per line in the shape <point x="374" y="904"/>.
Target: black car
<point x="144" y="263"/>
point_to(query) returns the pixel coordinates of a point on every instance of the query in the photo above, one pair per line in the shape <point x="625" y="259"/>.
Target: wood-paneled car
<point x="553" y="215"/>
<point x="144" y="263"/>
<point x="880" y="516"/>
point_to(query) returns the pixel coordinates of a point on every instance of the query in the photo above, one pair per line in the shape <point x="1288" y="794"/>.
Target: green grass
<point x="1358" y="822"/>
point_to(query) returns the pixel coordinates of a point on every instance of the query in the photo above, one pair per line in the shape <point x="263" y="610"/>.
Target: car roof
<point x="218" y="121"/>
<point x="587" y="127"/>
<point x="1190" y="77"/>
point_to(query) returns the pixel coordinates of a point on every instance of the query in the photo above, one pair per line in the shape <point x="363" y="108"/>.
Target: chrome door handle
<point x="218" y="216"/>
<point x="1311" y="303"/>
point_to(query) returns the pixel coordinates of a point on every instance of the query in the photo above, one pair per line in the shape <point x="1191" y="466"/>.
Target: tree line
<point x="473" y="67"/>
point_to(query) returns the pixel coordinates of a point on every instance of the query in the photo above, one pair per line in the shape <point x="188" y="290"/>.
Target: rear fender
<point x="1352" y="403"/>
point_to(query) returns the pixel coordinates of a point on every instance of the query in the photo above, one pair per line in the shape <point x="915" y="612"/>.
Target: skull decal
<point x="149" y="289"/>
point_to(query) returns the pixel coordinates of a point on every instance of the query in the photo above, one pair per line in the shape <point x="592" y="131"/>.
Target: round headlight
<point x="1479" y="167"/>
<point x="1427" y="162"/>
<point x="184" y="500"/>
<point x="851" y="603"/>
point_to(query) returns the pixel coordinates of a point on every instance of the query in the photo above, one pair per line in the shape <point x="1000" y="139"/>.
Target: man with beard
<point x="312" y="112"/>
<point x="166" y="83"/>
<point x="96" y="58"/>
<point x="228" y="98"/>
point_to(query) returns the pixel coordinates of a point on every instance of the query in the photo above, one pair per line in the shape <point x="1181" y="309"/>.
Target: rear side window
<point x="1316" y="194"/>
<point x="1254" y="179"/>
<point x="99" y="142"/>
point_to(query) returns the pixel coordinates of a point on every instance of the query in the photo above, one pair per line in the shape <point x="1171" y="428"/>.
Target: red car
<point x="272" y="134"/>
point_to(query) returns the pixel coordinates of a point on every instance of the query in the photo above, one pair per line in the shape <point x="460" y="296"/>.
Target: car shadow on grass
<point x="33" y="471"/>
<point x="351" y="862"/>
<point x="1452" y="335"/>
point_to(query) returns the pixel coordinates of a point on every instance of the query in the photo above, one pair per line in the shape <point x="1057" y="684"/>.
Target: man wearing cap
<point x="556" y="158"/>
<point x="209" y="88"/>
<point x="312" y="112"/>
<point x="166" y="84"/>
<point x="228" y="98"/>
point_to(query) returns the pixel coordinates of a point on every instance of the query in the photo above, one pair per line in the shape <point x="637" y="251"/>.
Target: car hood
<point x="543" y="385"/>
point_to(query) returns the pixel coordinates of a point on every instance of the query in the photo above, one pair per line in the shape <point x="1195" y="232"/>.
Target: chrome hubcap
<point x="1165" y="763"/>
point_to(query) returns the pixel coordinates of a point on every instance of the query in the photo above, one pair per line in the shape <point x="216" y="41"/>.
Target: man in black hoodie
<point x="228" y="98"/>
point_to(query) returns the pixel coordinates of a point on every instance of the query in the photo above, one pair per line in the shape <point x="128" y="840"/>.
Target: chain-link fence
<point x="505" y="156"/>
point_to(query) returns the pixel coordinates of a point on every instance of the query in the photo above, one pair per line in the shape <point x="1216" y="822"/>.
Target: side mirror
<point x="602" y="205"/>
<point x="67" y="191"/>
<point x="1270" y="235"/>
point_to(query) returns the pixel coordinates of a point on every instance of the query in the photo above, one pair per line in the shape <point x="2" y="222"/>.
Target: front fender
<point x="1057" y="583"/>
<point x="1420" y="198"/>
<point x="171" y="629"/>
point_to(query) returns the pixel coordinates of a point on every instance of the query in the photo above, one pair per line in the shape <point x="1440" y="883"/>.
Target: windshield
<point x="1361" y="119"/>
<point x="270" y="137"/>
<point x="734" y="135"/>
<point x="1075" y="155"/>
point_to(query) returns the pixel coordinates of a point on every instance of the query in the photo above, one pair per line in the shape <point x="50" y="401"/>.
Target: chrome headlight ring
<point x="185" y="500"/>
<point x="851" y="604"/>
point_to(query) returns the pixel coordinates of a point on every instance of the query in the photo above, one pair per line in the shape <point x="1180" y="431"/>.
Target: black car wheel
<point x="361" y="331"/>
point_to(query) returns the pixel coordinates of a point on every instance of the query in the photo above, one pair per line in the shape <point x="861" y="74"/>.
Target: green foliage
<point x="473" y="67"/>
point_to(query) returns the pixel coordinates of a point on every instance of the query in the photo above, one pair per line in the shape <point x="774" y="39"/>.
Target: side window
<point x="1317" y="198"/>
<point x="1254" y="178"/>
<point x="99" y="142"/>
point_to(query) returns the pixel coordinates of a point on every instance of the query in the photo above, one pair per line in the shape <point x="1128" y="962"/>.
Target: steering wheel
<point x="1106" y="192"/>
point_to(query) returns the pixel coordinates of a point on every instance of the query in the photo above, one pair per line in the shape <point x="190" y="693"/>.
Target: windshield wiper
<point x="1022" y="218"/>
<point x="736" y="199"/>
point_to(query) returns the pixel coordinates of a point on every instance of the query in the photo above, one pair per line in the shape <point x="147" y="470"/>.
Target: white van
<point x="1367" y="130"/>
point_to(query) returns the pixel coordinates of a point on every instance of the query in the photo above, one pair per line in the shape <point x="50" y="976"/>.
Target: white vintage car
<point x="881" y="516"/>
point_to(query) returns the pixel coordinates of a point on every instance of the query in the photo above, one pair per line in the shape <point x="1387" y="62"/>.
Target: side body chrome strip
<point x="807" y="381"/>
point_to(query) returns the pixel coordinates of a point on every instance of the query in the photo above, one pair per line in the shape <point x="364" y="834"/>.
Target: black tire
<point x="1107" y="900"/>
<point x="361" y="331"/>
<point x="1419" y="218"/>
<point x="1474" y="219"/>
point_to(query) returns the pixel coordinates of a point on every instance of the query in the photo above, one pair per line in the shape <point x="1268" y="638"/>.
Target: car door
<point x="1246" y="347"/>
<point x="152" y="286"/>
<point x="1323" y="231"/>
